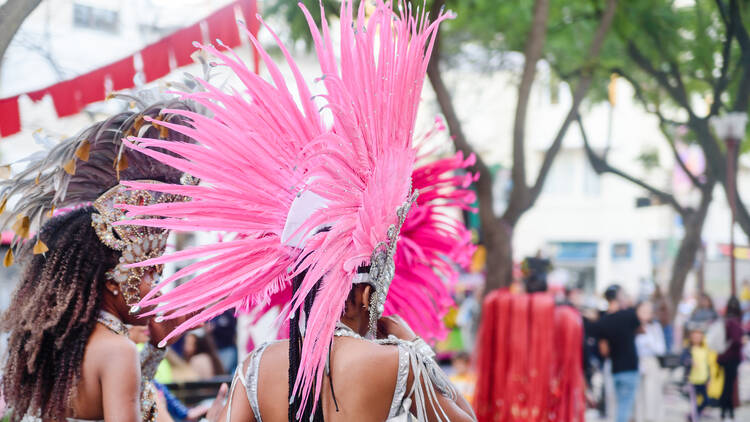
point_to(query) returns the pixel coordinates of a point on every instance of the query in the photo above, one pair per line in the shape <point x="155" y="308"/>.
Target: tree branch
<point x="484" y="184"/>
<point x="743" y="38"/>
<point x="723" y="81"/>
<point x="696" y="182"/>
<point x="722" y="11"/>
<point x="679" y="95"/>
<point x="601" y="166"/>
<point x="578" y="95"/>
<point x="532" y="54"/>
<point x="12" y="15"/>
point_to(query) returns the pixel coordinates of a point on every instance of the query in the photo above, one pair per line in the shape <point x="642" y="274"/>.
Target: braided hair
<point x="295" y="349"/>
<point x="52" y="315"/>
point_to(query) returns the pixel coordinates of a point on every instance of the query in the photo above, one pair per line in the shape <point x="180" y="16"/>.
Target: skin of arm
<point x="120" y="376"/>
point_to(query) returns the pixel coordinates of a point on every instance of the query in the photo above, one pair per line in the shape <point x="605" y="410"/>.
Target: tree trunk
<point x="12" y="15"/>
<point x="498" y="239"/>
<point x="693" y="220"/>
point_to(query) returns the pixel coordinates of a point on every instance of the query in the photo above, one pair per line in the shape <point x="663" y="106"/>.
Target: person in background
<point x="731" y="357"/>
<point x="200" y="352"/>
<point x="662" y="309"/>
<point x="650" y="345"/>
<point x="745" y="292"/>
<point x="704" y="313"/>
<point x="695" y="358"/>
<point x="463" y="378"/>
<point x="616" y="329"/>
<point x="223" y="330"/>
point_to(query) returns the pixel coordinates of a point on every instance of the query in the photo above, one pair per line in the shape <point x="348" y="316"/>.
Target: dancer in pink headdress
<point x="319" y="204"/>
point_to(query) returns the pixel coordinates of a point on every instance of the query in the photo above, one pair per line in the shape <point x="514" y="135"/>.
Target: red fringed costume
<point x="530" y="362"/>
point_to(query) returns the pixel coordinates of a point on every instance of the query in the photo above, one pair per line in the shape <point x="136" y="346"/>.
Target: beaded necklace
<point x="113" y="323"/>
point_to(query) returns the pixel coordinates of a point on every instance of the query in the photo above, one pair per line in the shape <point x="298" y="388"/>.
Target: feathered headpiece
<point x="87" y="169"/>
<point x="432" y="244"/>
<point x="261" y="155"/>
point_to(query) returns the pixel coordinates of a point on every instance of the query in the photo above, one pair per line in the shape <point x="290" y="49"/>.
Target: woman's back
<point x="102" y="350"/>
<point x="364" y="376"/>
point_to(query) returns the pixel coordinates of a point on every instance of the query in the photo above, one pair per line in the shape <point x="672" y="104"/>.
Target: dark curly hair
<point x="52" y="315"/>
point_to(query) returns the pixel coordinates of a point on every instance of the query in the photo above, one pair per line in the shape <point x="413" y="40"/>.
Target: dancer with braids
<point x="68" y="352"/>
<point x="317" y="203"/>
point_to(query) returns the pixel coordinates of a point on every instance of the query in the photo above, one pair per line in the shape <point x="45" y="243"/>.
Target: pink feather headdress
<point x="260" y="151"/>
<point x="432" y="245"/>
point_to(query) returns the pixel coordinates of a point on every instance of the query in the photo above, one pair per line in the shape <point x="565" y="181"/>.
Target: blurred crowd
<point x="635" y="349"/>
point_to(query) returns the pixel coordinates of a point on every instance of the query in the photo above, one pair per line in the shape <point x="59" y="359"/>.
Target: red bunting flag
<point x="250" y="11"/>
<point x="155" y="60"/>
<point x="222" y="25"/>
<point x="182" y="43"/>
<point x="69" y="97"/>
<point x="90" y="87"/>
<point x="121" y="73"/>
<point x="64" y="98"/>
<point x="10" y="119"/>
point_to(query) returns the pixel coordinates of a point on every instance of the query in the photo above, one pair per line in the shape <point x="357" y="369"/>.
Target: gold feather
<point x="122" y="164"/>
<point x="51" y="212"/>
<point x="70" y="167"/>
<point x="40" y="247"/>
<point x="82" y="152"/>
<point x="8" y="260"/>
<point x="21" y="226"/>
<point x="3" y="203"/>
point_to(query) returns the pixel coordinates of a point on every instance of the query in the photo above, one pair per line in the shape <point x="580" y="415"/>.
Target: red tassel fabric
<point x="541" y="355"/>
<point x="483" y="401"/>
<point x="529" y="360"/>
<point x="10" y="118"/>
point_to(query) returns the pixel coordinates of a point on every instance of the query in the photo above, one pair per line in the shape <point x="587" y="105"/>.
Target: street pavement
<point x="677" y="407"/>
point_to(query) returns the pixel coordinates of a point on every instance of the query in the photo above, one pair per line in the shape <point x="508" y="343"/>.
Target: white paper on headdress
<point x="302" y="209"/>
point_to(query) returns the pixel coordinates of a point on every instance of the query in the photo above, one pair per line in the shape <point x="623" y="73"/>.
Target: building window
<point x="622" y="251"/>
<point x="90" y="17"/>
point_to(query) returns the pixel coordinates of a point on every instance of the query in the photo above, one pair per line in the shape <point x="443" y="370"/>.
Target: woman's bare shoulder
<point x="105" y="348"/>
<point x="111" y="345"/>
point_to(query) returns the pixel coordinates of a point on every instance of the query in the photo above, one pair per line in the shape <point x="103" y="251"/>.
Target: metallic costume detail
<point x="136" y="243"/>
<point x="383" y="266"/>
<point x="422" y="364"/>
<point x="250" y="381"/>
<point x="151" y="357"/>
<point x="112" y="322"/>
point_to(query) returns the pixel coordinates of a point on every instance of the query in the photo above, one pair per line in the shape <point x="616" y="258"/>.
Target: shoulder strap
<point x="403" y="375"/>
<point x="249" y="381"/>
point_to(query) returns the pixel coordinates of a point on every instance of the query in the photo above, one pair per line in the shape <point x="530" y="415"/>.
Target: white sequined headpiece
<point x="136" y="243"/>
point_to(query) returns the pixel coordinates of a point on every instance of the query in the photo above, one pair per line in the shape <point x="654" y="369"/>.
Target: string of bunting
<point x="71" y="96"/>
